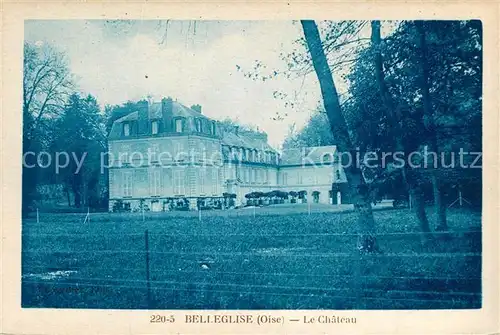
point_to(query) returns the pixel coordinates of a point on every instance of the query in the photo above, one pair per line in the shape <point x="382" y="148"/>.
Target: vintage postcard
<point x="250" y="168"/>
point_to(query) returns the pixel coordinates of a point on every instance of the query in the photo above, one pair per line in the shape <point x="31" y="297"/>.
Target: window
<point x="123" y="155"/>
<point x="238" y="173"/>
<point x="178" y="126"/>
<point x="127" y="184"/>
<point x="299" y="178"/>
<point x="198" y="125"/>
<point x="178" y="147"/>
<point x="254" y="176"/>
<point x="155" y="149"/>
<point x="126" y="129"/>
<point x="179" y="182"/>
<point x="337" y="175"/>
<point x="202" y="151"/>
<point x="179" y="153"/>
<point x="154" y="127"/>
<point x="215" y="180"/>
<point x="154" y="182"/>
<point x="201" y="180"/>
<point x="214" y="128"/>
<point x="284" y="178"/>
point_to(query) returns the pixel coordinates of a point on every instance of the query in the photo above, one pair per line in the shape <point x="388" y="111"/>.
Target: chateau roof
<point x="240" y="139"/>
<point x="245" y="140"/>
<point x="178" y="110"/>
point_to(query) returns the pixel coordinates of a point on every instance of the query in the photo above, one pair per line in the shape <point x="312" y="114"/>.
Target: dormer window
<point x="154" y="127"/>
<point x="213" y="128"/>
<point x="198" y="125"/>
<point x="126" y="129"/>
<point x="178" y="126"/>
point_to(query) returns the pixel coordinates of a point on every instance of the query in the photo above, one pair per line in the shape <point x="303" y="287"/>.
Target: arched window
<point x="198" y="125"/>
<point x="126" y="129"/>
<point x="214" y="128"/>
<point x="154" y="127"/>
<point x="179" y="125"/>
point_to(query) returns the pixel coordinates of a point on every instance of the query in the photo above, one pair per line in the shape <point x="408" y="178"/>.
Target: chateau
<point x="165" y="154"/>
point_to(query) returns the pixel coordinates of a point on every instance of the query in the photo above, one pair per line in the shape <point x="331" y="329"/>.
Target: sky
<point x="118" y="61"/>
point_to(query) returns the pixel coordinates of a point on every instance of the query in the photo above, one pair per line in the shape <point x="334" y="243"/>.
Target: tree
<point x="47" y="83"/>
<point x="315" y="133"/>
<point x="355" y="179"/>
<point x="386" y="102"/>
<point x="81" y="133"/>
<point x="396" y="129"/>
<point x="435" y="68"/>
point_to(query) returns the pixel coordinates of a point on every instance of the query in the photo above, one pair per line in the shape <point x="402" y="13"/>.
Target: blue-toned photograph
<point x="252" y="165"/>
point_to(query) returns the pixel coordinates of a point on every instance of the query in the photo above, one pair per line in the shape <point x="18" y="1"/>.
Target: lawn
<point x="248" y="259"/>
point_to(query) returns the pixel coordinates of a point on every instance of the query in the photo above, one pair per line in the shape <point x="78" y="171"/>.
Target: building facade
<point x="166" y="155"/>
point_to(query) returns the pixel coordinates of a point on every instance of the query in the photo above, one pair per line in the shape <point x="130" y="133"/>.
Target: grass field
<point x="248" y="260"/>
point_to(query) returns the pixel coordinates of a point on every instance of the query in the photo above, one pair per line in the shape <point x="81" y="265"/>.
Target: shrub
<point x="120" y="206"/>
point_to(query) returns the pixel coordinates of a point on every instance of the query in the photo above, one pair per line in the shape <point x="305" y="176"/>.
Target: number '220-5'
<point x="157" y="318"/>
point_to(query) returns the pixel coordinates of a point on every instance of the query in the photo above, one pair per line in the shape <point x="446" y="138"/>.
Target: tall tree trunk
<point x="410" y="184"/>
<point x="419" y="207"/>
<point x="439" y="205"/>
<point x="76" y="186"/>
<point x="437" y="189"/>
<point x="355" y="179"/>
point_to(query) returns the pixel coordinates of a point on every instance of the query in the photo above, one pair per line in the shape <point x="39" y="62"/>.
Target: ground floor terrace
<point x="236" y="196"/>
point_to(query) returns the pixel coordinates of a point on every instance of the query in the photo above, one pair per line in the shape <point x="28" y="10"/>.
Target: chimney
<point x="167" y="113"/>
<point x="236" y="128"/>
<point x="143" y="117"/>
<point x="196" y="108"/>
